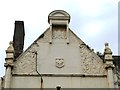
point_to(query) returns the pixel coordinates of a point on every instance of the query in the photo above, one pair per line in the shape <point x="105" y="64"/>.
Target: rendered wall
<point x="64" y="82"/>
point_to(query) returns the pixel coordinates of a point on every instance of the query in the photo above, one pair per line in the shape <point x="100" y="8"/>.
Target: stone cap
<point x="10" y="49"/>
<point x="107" y="49"/>
<point x="58" y="15"/>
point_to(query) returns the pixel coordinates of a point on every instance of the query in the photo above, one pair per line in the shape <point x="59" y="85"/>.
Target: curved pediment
<point x="58" y="15"/>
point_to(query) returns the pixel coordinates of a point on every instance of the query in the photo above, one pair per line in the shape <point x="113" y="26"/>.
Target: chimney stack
<point x="18" y="38"/>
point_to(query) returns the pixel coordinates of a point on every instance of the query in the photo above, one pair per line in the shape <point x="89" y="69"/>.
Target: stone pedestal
<point x="9" y="64"/>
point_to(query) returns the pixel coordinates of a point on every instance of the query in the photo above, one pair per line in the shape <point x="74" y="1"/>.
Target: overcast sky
<point x="94" y="21"/>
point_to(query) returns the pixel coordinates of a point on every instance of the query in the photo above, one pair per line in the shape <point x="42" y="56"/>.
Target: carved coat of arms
<point x="59" y="62"/>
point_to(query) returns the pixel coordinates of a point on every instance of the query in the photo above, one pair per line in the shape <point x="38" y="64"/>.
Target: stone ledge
<point x="63" y="75"/>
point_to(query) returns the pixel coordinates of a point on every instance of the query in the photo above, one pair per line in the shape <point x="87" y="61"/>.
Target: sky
<point x="94" y="21"/>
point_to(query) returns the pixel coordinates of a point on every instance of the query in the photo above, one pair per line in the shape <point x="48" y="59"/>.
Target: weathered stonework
<point x="58" y="55"/>
<point x="59" y="34"/>
<point x="26" y="64"/>
<point x="91" y="63"/>
<point x="74" y="39"/>
<point x="44" y="38"/>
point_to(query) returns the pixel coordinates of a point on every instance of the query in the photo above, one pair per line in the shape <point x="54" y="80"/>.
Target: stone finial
<point x="107" y="49"/>
<point x="108" y="56"/>
<point x="10" y="49"/>
<point x="9" y="55"/>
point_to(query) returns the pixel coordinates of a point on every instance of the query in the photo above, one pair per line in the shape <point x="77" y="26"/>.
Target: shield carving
<point x="59" y="62"/>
